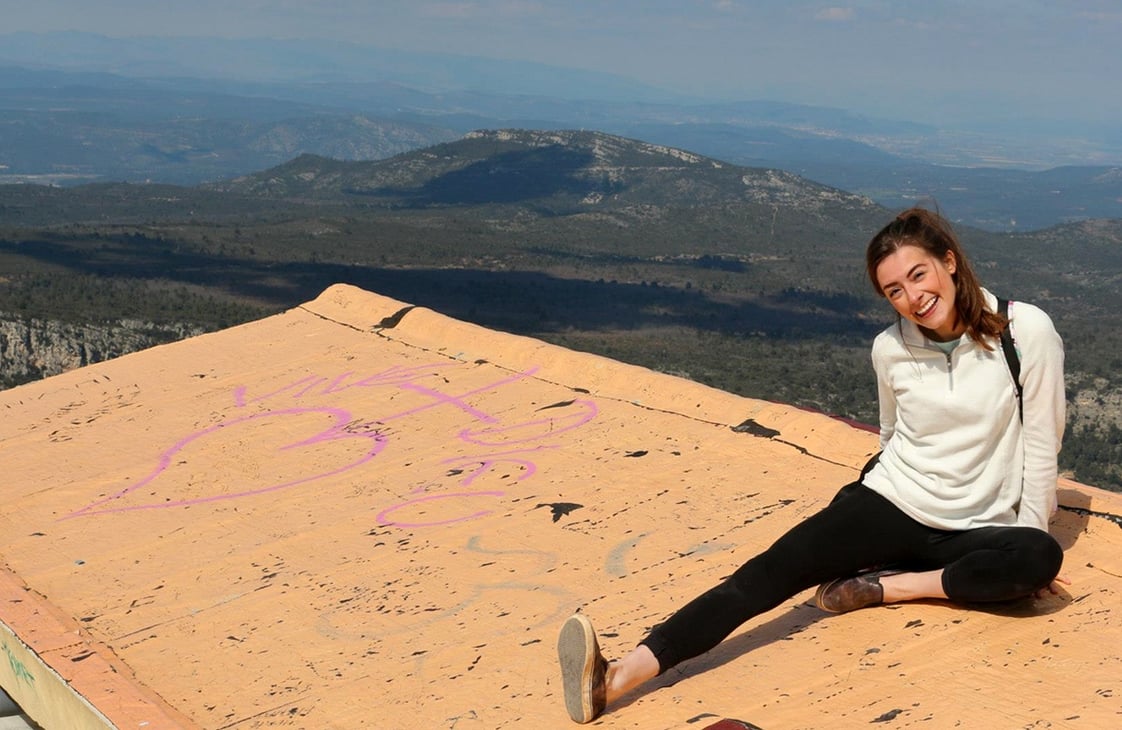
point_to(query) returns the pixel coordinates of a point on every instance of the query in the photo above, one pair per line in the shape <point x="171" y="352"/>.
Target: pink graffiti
<point x="343" y="428"/>
<point x="520" y="433"/>
<point x="395" y="375"/>
<point x="458" y="401"/>
<point x="489" y="461"/>
<point x="529" y="431"/>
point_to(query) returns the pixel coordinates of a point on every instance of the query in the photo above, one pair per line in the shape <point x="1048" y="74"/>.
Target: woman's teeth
<point x="926" y="308"/>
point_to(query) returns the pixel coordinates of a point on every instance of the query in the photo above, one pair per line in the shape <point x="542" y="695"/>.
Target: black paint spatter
<point x="561" y="404"/>
<point x="560" y="509"/>
<point x="888" y="716"/>
<point x="394" y="319"/>
<point x="755" y="429"/>
<point x="635" y="454"/>
<point x="724" y="724"/>
<point x="751" y="427"/>
<point x="1116" y="519"/>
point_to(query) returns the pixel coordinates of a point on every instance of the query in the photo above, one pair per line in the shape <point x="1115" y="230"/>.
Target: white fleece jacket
<point x="955" y="453"/>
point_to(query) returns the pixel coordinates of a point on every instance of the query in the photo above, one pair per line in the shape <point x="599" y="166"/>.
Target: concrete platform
<point x="359" y="514"/>
<point x="11" y="715"/>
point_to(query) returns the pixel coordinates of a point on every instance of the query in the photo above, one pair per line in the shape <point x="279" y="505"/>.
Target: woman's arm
<point x="1042" y="376"/>
<point x="886" y="397"/>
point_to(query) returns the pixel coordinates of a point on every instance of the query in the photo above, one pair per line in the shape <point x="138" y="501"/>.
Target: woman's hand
<point x="1053" y="587"/>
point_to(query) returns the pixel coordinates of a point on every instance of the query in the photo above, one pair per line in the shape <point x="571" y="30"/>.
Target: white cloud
<point x="835" y="14"/>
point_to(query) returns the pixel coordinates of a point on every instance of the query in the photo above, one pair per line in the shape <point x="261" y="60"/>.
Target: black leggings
<point x="860" y="530"/>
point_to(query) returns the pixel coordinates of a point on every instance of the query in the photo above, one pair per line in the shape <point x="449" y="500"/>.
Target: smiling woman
<point x="918" y="265"/>
<point x="956" y="505"/>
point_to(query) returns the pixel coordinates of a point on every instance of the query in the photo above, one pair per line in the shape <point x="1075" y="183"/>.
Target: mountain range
<point x="78" y="108"/>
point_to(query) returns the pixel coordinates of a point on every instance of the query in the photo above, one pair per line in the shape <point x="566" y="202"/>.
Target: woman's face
<point x="920" y="287"/>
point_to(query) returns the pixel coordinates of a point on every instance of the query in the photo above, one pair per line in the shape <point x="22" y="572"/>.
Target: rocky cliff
<point x="33" y="349"/>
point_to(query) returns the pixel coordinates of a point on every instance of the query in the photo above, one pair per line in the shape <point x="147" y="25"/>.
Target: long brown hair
<point x="933" y="233"/>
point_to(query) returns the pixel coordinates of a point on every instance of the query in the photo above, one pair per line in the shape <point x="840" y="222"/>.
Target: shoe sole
<point x="577" y="651"/>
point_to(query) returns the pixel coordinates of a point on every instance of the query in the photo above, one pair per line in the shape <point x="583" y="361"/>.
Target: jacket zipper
<point x="950" y="371"/>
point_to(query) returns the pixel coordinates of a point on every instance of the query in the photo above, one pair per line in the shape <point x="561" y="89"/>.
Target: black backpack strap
<point x="1011" y="354"/>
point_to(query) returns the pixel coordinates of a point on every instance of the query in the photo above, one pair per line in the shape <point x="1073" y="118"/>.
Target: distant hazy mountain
<point x="993" y="198"/>
<point x="61" y="128"/>
<point x="572" y="167"/>
<point x="557" y="172"/>
<point x="78" y="107"/>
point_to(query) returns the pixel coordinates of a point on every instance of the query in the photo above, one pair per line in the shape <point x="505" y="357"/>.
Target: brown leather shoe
<point x="584" y="670"/>
<point x="849" y="594"/>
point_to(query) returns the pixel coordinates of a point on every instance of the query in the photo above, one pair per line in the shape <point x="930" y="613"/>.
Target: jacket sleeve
<point x="886" y="396"/>
<point x="1044" y="410"/>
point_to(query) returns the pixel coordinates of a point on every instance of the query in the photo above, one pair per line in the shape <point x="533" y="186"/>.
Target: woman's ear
<point x="950" y="262"/>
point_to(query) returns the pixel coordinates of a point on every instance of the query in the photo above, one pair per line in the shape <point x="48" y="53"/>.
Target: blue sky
<point x="938" y="61"/>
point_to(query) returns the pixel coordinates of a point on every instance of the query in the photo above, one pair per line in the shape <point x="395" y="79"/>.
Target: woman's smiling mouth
<point x="926" y="308"/>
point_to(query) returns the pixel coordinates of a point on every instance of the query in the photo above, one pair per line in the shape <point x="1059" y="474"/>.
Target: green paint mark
<point x="18" y="667"/>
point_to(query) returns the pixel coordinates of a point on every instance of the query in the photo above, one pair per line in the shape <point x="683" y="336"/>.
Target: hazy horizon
<point x="985" y="65"/>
